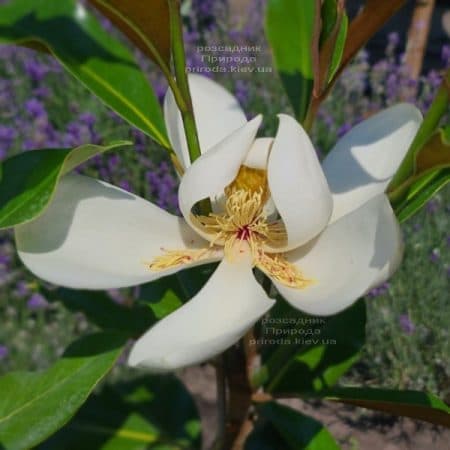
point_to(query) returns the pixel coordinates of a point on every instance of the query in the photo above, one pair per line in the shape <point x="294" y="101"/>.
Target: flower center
<point x="244" y="219"/>
<point x="244" y="233"/>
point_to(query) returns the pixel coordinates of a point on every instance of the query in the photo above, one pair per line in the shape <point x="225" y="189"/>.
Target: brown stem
<point x="239" y="400"/>
<point x="417" y="36"/>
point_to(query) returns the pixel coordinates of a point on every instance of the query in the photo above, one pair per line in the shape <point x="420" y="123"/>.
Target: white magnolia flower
<point x="324" y="235"/>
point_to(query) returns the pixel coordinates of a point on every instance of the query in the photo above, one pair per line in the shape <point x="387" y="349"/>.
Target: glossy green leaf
<point x="28" y="180"/>
<point x="89" y="53"/>
<point x="414" y="404"/>
<point x="35" y="405"/>
<point x="316" y="351"/>
<point x="102" y="311"/>
<point x="299" y="432"/>
<point x="420" y="192"/>
<point x="147" y="25"/>
<point x="147" y="413"/>
<point x="290" y="31"/>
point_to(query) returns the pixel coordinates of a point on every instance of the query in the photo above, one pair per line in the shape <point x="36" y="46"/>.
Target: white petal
<point x="216" y="169"/>
<point x="297" y="184"/>
<point x="217" y="114"/>
<point x="346" y="260"/>
<point x="216" y="318"/>
<point x="97" y="236"/>
<point x="258" y="154"/>
<point x="363" y="162"/>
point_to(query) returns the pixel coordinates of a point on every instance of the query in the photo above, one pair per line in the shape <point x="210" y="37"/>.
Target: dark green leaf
<point x="418" y="405"/>
<point x="147" y="25"/>
<point x="89" y="53"/>
<point x="35" y="405"/>
<point x="298" y="431"/>
<point x="316" y="351"/>
<point x="28" y="180"/>
<point x="102" y="311"/>
<point x="290" y="31"/>
<point x="264" y="436"/>
<point x="148" y="413"/>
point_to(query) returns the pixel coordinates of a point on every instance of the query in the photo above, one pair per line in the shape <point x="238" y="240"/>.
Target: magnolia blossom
<point x="323" y="234"/>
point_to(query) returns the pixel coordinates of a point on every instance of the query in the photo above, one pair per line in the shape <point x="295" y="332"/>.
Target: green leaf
<point x="146" y="25"/>
<point x="264" y="436"/>
<point x="431" y="173"/>
<point x="435" y="154"/>
<point x="332" y="40"/>
<point x="338" y="48"/>
<point x="35" y="405"/>
<point x="102" y="311"/>
<point x="420" y="192"/>
<point x="167" y="294"/>
<point x="28" y="180"/>
<point x="298" y="431"/>
<point x="290" y="32"/>
<point x="414" y="404"/>
<point x="317" y="351"/>
<point x="408" y="169"/>
<point x="90" y="54"/>
<point x="147" y="413"/>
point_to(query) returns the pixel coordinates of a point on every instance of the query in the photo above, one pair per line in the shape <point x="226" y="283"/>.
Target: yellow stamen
<point x="278" y="267"/>
<point x="173" y="258"/>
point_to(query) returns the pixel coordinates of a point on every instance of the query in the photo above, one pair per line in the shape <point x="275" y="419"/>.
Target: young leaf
<point x="28" y="180"/>
<point x="332" y="41"/>
<point x="435" y="154"/>
<point x="297" y="430"/>
<point x="290" y="31"/>
<point x="146" y="25"/>
<point x="134" y="415"/>
<point x="35" y="405"/>
<point x="90" y="54"/>
<point x="317" y="353"/>
<point x="370" y="19"/>
<point x="414" y="404"/>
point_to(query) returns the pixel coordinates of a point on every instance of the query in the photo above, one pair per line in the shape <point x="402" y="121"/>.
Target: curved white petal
<point x="216" y="318"/>
<point x="258" y="154"/>
<point x="363" y="162"/>
<point x="217" y="113"/>
<point x="97" y="236"/>
<point x="216" y="169"/>
<point x="346" y="260"/>
<point x="297" y="184"/>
